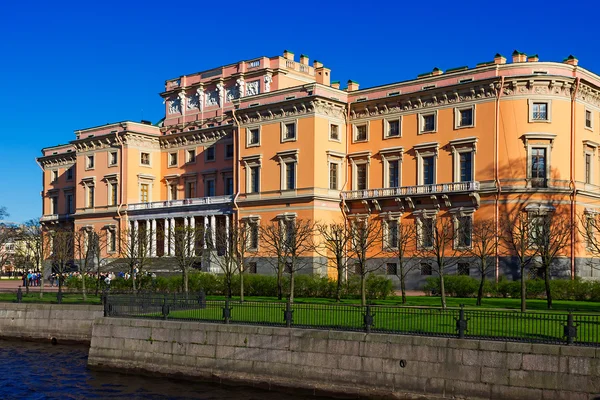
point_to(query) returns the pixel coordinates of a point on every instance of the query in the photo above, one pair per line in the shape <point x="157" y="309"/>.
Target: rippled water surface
<point x="41" y="371"/>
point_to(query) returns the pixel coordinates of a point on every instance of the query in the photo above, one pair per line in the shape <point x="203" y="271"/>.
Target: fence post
<point x="461" y="322"/>
<point x="19" y="295"/>
<point x="570" y="329"/>
<point x="368" y="320"/>
<point x="165" y="308"/>
<point x="202" y="299"/>
<point x="288" y="316"/>
<point x="59" y="296"/>
<point x="226" y="311"/>
<point x="105" y="303"/>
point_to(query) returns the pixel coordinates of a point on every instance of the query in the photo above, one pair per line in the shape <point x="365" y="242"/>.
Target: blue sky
<point x="67" y="66"/>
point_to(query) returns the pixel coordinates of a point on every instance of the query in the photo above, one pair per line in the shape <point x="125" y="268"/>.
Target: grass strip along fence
<point x="535" y="327"/>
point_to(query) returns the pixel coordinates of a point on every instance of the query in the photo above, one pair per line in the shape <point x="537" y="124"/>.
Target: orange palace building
<point x="274" y="138"/>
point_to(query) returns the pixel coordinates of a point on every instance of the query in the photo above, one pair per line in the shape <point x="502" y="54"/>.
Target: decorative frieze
<point x="192" y="138"/>
<point x="295" y="109"/>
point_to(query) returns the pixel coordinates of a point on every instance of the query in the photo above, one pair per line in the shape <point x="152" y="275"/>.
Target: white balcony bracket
<point x="376" y="204"/>
<point x="447" y="202"/>
<point x="475" y="199"/>
<point x="410" y="203"/>
<point x="400" y="205"/>
<point x="366" y="204"/>
<point x="435" y="202"/>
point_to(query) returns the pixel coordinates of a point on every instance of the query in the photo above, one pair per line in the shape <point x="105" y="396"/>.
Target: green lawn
<point x="50" y="297"/>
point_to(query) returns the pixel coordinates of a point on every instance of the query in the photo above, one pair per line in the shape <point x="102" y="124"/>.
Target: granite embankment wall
<point x="64" y="322"/>
<point x="392" y="366"/>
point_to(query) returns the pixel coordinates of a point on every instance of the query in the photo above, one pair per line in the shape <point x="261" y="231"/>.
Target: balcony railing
<point x="438" y="188"/>
<point x="199" y="201"/>
<point x="49" y="217"/>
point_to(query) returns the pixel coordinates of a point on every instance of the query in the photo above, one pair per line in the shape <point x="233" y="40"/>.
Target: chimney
<point x="317" y="64"/>
<point x="571" y="60"/>
<point x="499" y="59"/>
<point x="288" y="55"/>
<point x="518" y="57"/>
<point x="323" y="75"/>
<point x="436" y="71"/>
<point x="533" y="58"/>
<point x="335" y="84"/>
<point x="352" y="86"/>
<point x="303" y="59"/>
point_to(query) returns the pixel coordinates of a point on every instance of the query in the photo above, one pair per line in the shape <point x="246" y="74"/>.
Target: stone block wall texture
<point x="391" y="366"/>
<point x="63" y="322"/>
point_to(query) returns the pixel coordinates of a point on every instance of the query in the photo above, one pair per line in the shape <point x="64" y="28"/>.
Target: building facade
<point x="274" y="139"/>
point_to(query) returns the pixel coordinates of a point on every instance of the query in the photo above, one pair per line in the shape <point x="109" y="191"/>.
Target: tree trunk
<point x="279" y="282"/>
<point x="133" y="285"/>
<point x="292" y="286"/>
<point x="242" y="285"/>
<point x="340" y="276"/>
<point x="480" y="291"/>
<point x="98" y="277"/>
<point x="402" y="280"/>
<point x="523" y="289"/>
<point x="185" y="280"/>
<point x="363" y="290"/>
<point x="83" y="287"/>
<point x="442" y="288"/>
<point x="547" y="283"/>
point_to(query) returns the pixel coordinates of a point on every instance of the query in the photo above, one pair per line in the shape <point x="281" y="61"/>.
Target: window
<point x="538" y="167"/>
<point x="144" y="192"/>
<point x="466" y="166"/>
<point x="251" y="268"/>
<point x="288" y="268"/>
<point x="539" y="228"/>
<point x="333" y="176"/>
<point x="229" y="150"/>
<point x="361" y="177"/>
<point x="254" y="137"/>
<point x="191" y="156"/>
<point x="190" y="190"/>
<point x="540" y="111"/>
<point x="112" y="158"/>
<point x="69" y="203"/>
<point x="393" y="128"/>
<point x="463" y="269"/>
<point x="360" y="133"/>
<point x="393" y="173"/>
<point x="289" y="232"/>
<point x="254" y="180"/>
<point x="590" y="231"/>
<point x="464" y="117"/>
<point x="427" y="123"/>
<point x="210" y="188"/>
<point x="290" y="175"/>
<point x="392" y="234"/>
<point x="173" y="191"/>
<point x="428" y="170"/>
<point x="70" y="173"/>
<point x="289" y="131"/>
<point x="391" y="269"/>
<point x="112" y="240"/>
<point x="588" y="119"/>
<point x="426" y="231"/>
<point x="463" y="231"/>
<point x="228" y="185"/>
<point x="426" y="269"/>
<point x="112" y="194"/>
<point x="54" y="176"/>
<point x="172" y="159"/>
<point x="210" y="153"/>
<point x="90" y="162"/>
<point x="588" y="168"/>
<point x="334" y="132"/>
<point x="54" y="204"/>
<point x="253" y="236"/>
<point x="90" y="196"/>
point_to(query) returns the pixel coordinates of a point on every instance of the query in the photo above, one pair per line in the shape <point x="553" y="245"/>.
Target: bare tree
<point x="336" y="238"/>
<point x="135" y="251"/>
<point x="83" y="242"/>
<point x="515" y="238"/>
<point x="226" y="257"/>
<point x="274" y="251"/>
<point x="101" y="243"/>
<point x="550" y="234"/>
<point x="185" y="239"/>
<point x="62" y="252"/>
<point x="365" y="247"/>
<point x="401" y="240"/>
<point x="437" y="241"/>
<point x="589" y="228"/>
<point x="235" y="243"/>
<point x="483" y="247"/>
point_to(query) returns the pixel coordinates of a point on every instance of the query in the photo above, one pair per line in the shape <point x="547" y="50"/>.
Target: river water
<point x="32" y="370"/>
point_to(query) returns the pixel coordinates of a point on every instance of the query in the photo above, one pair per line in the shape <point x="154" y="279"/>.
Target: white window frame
<point x="386" y="127"/>
<point x="149" y="159"/>
<point x="457" y="117"/>
<point x="253" y="222"/>
<point x="387" y="155"/>
<point x="69" y="210"/>
<point x="426" y="150"/>
<point x="249" y="130"/>
<point x="283" y="124"/>
<point x="459" y="146"/>
<point x="339" y="133"/>
<point x="185" y="188"/>
<point x="225" y="149"/>
<point x="87" y="162"/>
<point x="188" y="158"/>
<point x="206" y="159"/>
<point x="531" y="102"/>
<point x="110" y="163"/>
<point x="52" y="174"/>
<point x="421" y="122"/>
<point x="111" y="234"/>
<point x="334" y="157"/>
<point x="214" y="181"/>
<point x="286" y="157"/>
<point x="591" y="215"/>
<point x="72" y="169"/>
<point x="169" y="164"/>
<point x="355" y="132"/>
<point x="54" y="210"/>
<point x="251" y="162"/>
<point x="395" y="218"/>
<point x="420" y="217"/>
<point x="87" y="195"/>
<point x="360" y="159"/>
<point x="456" y="215"/>
<point x="591" y="127"/>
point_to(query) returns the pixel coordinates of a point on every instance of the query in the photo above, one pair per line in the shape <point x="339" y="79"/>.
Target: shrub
<point x="378" y="287"/>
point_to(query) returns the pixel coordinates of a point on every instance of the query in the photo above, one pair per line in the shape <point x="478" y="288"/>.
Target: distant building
<point x="273" y="138"/>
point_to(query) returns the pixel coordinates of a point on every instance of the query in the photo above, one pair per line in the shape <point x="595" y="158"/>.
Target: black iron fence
<point x="504" y="325"/>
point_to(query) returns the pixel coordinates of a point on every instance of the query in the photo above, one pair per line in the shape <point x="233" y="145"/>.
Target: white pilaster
<point x="153" y="239"/>
<point x="166" y="236"/>
<point x="192" y="231"/>
<point x="148" y="239"/>
<point x="227" y="230"/>
<point x="213" y="229"/>
<point x="205" y="229"/>
<point x="172" y="235"/>
<point x="136" y="237"/>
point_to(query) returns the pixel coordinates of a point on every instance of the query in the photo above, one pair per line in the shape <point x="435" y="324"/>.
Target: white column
<point x="205" y="229"/>
<point x="172" y="235"/>
<point x="213" y="229"/>
<point x="153" y="239"/>
<point x="166" y="236"/>
<point x="227" y="230"/>
<point x="148" y="238"/>
<point x="192" y="236"/>
<point x="136" y="237"/>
